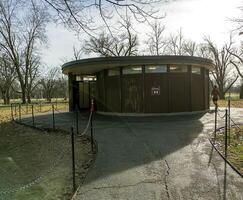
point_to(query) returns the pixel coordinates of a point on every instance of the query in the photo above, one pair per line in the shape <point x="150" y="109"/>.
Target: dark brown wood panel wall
<point x="76" y="94"/>
<point x="156" y="103"/>
<point x="100" y="101"/>
<point x="132" y="93"/>
<point x="197" y="92"/>
<point x="179" y="92"/>
<point x="113" y="99"/>
<point x="71" y="85"/>
<point x="207" y="96"/>
<point x="84" y="92"/>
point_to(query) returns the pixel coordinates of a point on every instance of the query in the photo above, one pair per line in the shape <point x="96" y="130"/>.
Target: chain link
<point x="51" y="168"/>
<point x="39" y="178"/>
<point x="230" y="118"/>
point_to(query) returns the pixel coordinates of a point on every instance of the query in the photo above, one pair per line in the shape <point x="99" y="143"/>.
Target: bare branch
<point x="125" y="42"/>
<point x="79" y="15"/>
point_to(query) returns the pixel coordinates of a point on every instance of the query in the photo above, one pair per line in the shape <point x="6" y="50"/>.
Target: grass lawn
<point x="35" y="100"/>
<point x="233" y="103"/>
<point x="233" y="96"/>
<point x="36" y="165"/>
<point x="235" y="147"/>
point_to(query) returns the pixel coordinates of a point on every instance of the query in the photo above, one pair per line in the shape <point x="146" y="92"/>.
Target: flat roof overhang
<point x="93" y="65"/>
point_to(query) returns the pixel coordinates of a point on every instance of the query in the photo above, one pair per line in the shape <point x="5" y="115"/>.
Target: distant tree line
<point x="23" y="27"/>
<point x="22" y="33"/>
<point x="126" y="43"/>
<point x="121" y="39"/>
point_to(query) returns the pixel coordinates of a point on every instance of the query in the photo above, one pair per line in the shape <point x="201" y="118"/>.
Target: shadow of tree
<point x="128" y="142"/>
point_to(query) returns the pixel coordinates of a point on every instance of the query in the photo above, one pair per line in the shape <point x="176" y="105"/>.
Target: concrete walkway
<point x="160" y="158"/>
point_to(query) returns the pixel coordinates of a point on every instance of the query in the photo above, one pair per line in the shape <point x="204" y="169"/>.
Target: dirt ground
<point x="36" y="164"/>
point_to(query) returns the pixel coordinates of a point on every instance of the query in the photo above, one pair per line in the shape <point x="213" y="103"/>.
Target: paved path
<point x="156" y="158"/>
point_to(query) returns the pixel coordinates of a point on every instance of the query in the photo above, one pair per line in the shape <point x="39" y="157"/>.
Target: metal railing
<point x="225" y="131"/>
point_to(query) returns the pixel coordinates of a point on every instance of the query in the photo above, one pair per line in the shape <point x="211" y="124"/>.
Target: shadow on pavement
<point x="128" y="142"/>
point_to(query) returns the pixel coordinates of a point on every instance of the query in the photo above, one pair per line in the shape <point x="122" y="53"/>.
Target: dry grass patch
<point x="37" y="165"/>
<point x="235" y="146"/>
<point x="233" y="103"/>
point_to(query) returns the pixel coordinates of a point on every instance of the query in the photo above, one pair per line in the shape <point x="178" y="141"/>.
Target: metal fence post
<point x="73" y="159"/>
<point x="11" y="105"/>
<point x="225" y="137"/>
<point x="229" y="126"/>
<point x="33" y="118"/>
<point x="91" y="125"/>
<point x="91" y="129"/>
<point x="15" y="110"/>
<point x="215" y="121"/>
<point x="53" y="117"/>
<point x="77" y="119"/>
<point x="19" y="112"/>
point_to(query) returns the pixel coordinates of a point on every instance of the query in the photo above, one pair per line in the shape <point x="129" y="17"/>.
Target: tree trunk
<point x="241" y="91"/>
<point x="4" y="98"/>
<point x="8" y="100"/>
<point x="23" y="95"/>
<point x="28" y="98"/>
<point x="48" y="98"/>
<point x="8" y="96"/>
<point x="221" y="92"/>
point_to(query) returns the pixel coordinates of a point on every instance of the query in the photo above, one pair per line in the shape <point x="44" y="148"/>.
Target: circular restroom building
<point x="140" y="84"/>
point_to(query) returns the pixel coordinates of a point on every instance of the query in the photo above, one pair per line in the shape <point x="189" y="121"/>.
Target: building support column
<point x="203" y="75"/>
<point x="169" y="89"/>
<point x="143" y="83"/>
<point x="121" y="87"/>
<point x="190" y="87"/>
<point x="71" y="79"/>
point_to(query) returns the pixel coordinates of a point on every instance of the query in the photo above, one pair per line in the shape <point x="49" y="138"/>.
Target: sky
<point x="196" y="18"/>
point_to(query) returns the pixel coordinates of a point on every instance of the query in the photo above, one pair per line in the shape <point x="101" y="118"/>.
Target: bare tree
<point x="190" y="48"/>
<point x="34" y="29"/>
<point x="9" y="40"/>
<point x="61" y="90"/>
<point x="237" y="62"/>
<point x="20" y="37"/>
<point x="33" y="75"/>
<point x="156" y="41"/>
<point x="124" y="44"/>
<point x="7" y="77"/>
<point x="203" y="51"/>
<point x="77" y="53"/>
<point x="49" y="83"/>
<point x="222" y="65"/>
<point x="103" y="45"/>
<point x="176" y="44"/>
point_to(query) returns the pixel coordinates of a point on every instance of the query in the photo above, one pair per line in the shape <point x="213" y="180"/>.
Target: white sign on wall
<point x="155" y="90"/>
